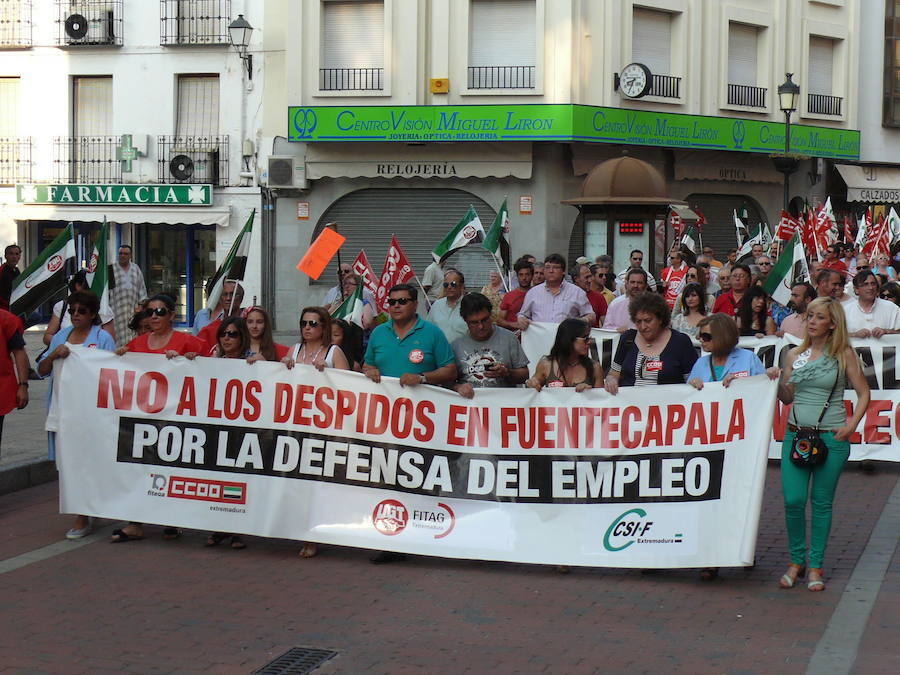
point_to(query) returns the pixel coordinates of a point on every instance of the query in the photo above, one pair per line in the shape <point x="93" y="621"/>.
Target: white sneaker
<point x="83" y="532"/>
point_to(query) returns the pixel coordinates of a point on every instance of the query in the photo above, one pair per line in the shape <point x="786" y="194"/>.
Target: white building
<point x="86" y="84"/>
<point x="394" y="115"/>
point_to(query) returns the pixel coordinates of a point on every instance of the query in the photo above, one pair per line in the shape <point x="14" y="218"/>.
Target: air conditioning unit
<point x="90" y="26"/>
<point x="195" y="167"/>
<point x="286" y="172"/>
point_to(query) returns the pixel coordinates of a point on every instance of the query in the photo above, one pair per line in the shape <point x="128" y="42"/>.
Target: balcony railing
<point x="91" y="23"/>
<point x="501" y="77"/>
<point x="15" y="24"/>
<point x="746" y="95"/>
<point x="823" y="104"/>
<point x="15" y="161"/>
<point x="194" y="22"/>
<point x="193" y="159"/>
<point x="351" y="79"/>
<point x="86" y="159"/>
<point x="666" y="86"/>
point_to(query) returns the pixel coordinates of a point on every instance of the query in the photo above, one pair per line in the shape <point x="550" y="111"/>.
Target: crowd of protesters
<point x="466" y="340"/>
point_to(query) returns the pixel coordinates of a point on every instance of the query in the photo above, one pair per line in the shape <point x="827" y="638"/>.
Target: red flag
<point x="676" y="222"/>
<point x="875" y="235"/>
<point x="848" y="232"/>
<point x="701" y="219"/>
<point x="362" y="267"/>
<point x="396" y="270"/>
<point x="808" y="232"/>
<point x="787" y="227"/>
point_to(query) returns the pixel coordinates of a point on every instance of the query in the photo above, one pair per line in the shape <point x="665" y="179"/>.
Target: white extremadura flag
<point x="45" y="276"/>
<point x="790" y="269"/>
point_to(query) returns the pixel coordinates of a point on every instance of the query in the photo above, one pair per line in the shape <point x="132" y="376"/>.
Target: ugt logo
<point x="304" y="122"/>
<point x="625" y="529"/>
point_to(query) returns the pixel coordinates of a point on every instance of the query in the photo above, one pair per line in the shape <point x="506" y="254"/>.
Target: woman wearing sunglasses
<point x="315" y="347"/>
<point x="163" y="338"/>
<point x="890" y="292"/>
<point x="84" y="329"/>
<point x="262" y="345"/>
<point x="569" y="363"/>
<point x="60" y="316"/>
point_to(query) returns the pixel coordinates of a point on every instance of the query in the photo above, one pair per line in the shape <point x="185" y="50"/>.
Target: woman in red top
<point x="13" y="383"/>
<point x="163" y="338"/>
<point x="262" y="346"/>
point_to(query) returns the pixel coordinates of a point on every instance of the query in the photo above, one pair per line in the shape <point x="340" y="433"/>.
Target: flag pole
<point x="500" y="270"/>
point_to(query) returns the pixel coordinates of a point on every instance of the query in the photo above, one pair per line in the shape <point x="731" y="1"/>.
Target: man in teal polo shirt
<point x="407" y="346"/>
<point x="412" y="349"/>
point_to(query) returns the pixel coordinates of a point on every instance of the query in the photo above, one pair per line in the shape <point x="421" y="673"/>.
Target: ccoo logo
<point x="625" y="530"/>
<point x="304" y="122"/>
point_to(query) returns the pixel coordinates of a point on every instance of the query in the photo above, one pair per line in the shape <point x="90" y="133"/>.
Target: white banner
<point x="650" y="478"/>
<point x="878" y="435"/>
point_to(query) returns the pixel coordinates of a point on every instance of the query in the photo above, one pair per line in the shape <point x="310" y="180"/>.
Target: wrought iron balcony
<point x="824" y="104"/>
<point x="501" y="77"/>
<point x="86" y="159"/>
<point x="666" y="86"/>
<point x="351" y="79"/>
<point x="193" y="159"/>
<point x="746" y="95"/>
<point x="194" y="22"/>
<point x="15" y="160"/>
<point x="92" y="23"/>
<point x="15" y="24"/>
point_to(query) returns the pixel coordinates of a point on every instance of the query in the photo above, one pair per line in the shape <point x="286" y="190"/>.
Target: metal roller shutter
<point x="742" y="41"/>
<point x="419" y="217"/>
<point x="821" y="65"/>
<point x="719" y="210"/>
<point x="651" y="40"/>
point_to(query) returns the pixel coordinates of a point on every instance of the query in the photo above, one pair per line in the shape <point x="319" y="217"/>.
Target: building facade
<point x="140" y="113"/>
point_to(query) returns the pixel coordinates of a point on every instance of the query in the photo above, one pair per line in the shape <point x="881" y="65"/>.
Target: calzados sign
<point x="335" y="458"/>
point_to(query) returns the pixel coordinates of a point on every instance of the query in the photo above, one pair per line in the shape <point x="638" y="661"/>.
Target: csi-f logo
<point x="304" y="122"/>
<point x="625" y="530"/>
<point x="390" y="517"/>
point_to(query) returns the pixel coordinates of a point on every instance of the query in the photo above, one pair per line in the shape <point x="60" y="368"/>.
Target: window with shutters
<point x="194" y="22"/>
<point x="743" y="69"/>
<point x="15" y="24"/>
<point x="196" y="153"/>
<point x="891" y="110"/>
<point x="15" y="150"/>
<point x="502" y="44"/>
<point x="352" y="45"/>
<point x="89" y="154"/>
<point x="820" y="77"/>
<point x="651" y="45"/>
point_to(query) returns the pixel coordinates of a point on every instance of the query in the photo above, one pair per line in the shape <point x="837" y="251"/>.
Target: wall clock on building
<point x="635" y="80"/>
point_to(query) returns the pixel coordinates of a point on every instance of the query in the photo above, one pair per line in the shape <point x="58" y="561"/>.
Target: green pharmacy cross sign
<point x="116" y="195"/>
<point x="563" y="122"/>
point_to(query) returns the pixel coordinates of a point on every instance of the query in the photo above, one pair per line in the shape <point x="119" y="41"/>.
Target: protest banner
<point x="668" y="477"/>
<point x="878" y="436"/>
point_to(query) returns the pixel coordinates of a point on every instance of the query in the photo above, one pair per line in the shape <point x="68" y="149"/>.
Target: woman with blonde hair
<point x="814" y="378"/>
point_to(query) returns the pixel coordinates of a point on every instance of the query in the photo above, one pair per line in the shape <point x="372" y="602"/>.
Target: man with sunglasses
<point x="444" y="312"/>
<point x="635" y="259"/>
<point x="869" y="315"/>
<point x="555" y="299"/>
<point x="486" y="356"/>
<point x="833" y="260"/>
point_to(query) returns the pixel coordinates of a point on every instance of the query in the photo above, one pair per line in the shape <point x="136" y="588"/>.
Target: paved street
<point x="156" y="606"/>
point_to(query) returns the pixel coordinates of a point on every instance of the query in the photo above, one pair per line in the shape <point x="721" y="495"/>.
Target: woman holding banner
<point x="653" y="353"/>
<point x="84" y="329"/>
<point x="262" y="345"/>
<point x="569" y="363"/>
<point x="814" y="378"/>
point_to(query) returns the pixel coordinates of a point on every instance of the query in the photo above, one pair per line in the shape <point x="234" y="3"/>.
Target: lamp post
<point x="239" y="32"/>
<point x="788" y="93"/>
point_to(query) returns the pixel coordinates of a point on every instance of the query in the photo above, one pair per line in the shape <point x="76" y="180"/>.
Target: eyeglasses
<point x="312" y="323"/>
<point x="704" y="337"/>
<point x="764" y="264"/>
<point x="230" y="334"/>
<point x="400" y="301"/>
<point x="588" y="340"/>
<point x="704" y="264"/>
<point x="158" y="311"/>
<point x="78" y="310"/>
<point x="451" y="284"/>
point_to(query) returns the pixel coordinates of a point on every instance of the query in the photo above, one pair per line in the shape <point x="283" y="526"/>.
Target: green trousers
<point x="795" y="483"/>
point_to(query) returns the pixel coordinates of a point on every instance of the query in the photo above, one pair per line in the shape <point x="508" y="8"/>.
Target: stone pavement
<point x="24" y="438"/>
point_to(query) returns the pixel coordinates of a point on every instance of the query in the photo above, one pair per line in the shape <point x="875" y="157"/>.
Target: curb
<point x="27" y="474"/>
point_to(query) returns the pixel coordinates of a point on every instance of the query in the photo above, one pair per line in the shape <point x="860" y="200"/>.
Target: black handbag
<point x="809" y="449"/>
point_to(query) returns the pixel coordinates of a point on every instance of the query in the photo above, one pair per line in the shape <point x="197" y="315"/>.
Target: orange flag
<point x="321" y="252"/>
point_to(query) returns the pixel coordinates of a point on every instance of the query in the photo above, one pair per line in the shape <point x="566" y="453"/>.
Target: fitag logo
<point x="624" y="530"/>
<point x="304" y="122"/>
<point x="738" y="132"/>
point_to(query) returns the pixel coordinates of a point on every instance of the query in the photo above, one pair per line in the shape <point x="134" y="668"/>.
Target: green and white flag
<point x="45" y="276"/>
<point x="893" y="223"/>
<point x="690" y="236"/>
<point x="497" y="238"/>
<point x="756" y="238"/>
<point x="467" y="231"/>
<point x="98" y="272"/>
<point x="789" y="269"/>
<point x="232" y="268"/>
<point x="740" y="230"/>
<point x="352" y="308"/>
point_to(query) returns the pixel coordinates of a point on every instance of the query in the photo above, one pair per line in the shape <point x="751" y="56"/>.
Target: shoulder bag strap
<point x="837" y="376"/>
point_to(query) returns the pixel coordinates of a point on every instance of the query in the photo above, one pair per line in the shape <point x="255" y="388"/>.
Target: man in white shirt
<point x="636" y="259"/>
<point x="870" y="316"/>
<point x="617" y="315"/>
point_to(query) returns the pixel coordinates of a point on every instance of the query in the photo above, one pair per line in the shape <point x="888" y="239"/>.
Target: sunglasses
<point x="705" y="337"/>
<point x="312" y="323"/>
<point x="230" y="334"/>
<point x="886" y="296"/>
<point x="158" y="311"/>
<point x="451" y="284"/>
<point x="704" y="264"/>
<point x="764" y="264"/>
<point x="587" y="340"/>
<point x="401" y="301"/>
<point x="78" y="310"/>
<point x="637" y="260"/>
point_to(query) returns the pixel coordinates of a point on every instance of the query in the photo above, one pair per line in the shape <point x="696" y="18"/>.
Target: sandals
<point x="787" y="580"/>
<point x="815" y="583"/>
<point x="216" y="538"/>
<point x="170" y="533"/>
<point x="709" y="573"/>
<point x="309" y="550"/>
<point x="120" y="536"/>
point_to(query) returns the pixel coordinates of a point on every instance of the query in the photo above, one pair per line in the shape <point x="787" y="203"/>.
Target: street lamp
<point x="788" y="93"/>
<point x="239" y="32"/>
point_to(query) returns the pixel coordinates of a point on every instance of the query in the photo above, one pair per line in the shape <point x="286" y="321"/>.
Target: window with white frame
<point x="743" y="47"/>
<point x="352" y="48"/>
<point x="651" y="45"/>
<point x="820" y="78"/>
<point x="502" y="44"/>
<point x="93" y="106"/>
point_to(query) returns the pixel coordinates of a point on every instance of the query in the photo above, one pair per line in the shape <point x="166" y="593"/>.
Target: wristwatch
<point x="23" y="384"/>
<point x="423" y="380"/>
